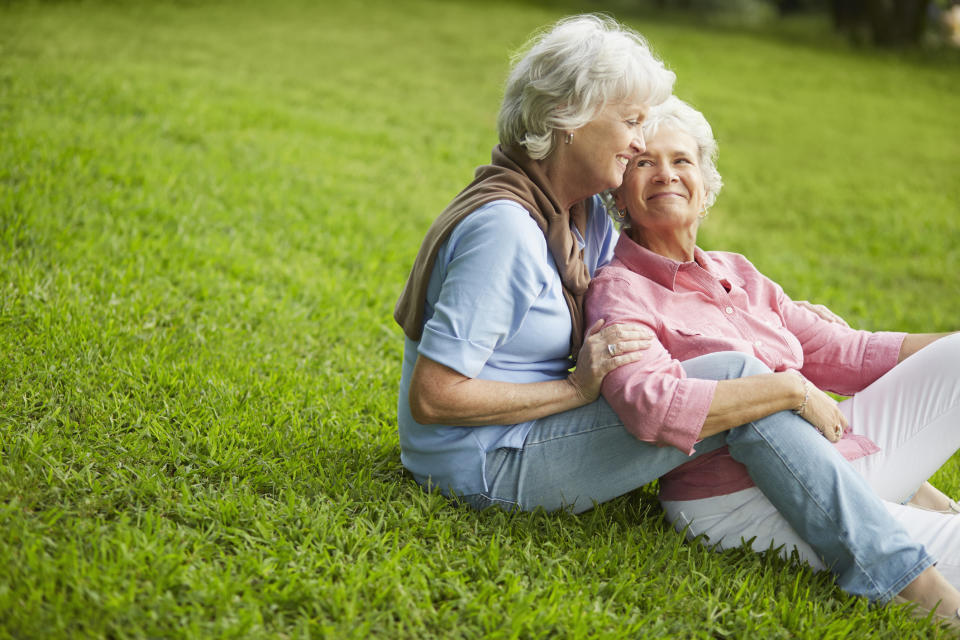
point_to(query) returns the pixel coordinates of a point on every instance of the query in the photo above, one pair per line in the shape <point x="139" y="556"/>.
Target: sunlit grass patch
<point x="207" y="211"/>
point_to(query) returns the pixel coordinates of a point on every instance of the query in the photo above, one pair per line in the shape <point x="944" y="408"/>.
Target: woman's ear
<point x="617" y="199"/>
<point x="705" y="195"/>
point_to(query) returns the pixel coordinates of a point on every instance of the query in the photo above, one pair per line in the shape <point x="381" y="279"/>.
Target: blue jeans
<point x="585" y="456"/>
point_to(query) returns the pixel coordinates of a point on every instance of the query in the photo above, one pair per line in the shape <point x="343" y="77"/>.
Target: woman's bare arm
<point x="916" y="341"/>
<point x="441" y="395"/>
<point x="737" y="402"/>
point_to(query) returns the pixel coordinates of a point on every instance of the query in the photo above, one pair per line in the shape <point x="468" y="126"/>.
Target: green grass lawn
<point x="207" y="211"/>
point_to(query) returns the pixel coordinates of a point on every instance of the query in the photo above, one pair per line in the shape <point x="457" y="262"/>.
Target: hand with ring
<point x="604" y="349"/>
<point x="823" y="413"/>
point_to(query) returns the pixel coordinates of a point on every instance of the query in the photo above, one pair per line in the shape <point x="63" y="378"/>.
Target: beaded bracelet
<point x="806" y="395"/>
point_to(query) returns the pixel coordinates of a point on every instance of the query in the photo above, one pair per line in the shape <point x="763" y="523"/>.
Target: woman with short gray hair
<point x="901" y="424"/>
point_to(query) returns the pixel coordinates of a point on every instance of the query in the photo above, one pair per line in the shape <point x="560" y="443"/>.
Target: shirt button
<point x="729" y="309"/>
<point x="758" y="343"/>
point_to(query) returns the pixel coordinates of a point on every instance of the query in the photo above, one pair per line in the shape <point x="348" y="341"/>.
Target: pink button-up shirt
<point x="718" y="302"/>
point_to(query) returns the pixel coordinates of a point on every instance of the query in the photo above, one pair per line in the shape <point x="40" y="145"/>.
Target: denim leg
<point x="824" y="499"/>
<point x="575" y="459"/>
<point x="584" y="456"/>
<point x="579" y="457"/>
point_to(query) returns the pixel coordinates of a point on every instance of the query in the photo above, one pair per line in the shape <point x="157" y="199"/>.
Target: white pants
<point x="913" y="414"/>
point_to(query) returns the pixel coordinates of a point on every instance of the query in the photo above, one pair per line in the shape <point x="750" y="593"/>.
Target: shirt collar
<point x="663" y="270"/>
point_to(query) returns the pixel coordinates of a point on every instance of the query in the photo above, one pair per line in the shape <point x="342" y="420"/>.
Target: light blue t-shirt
<point x="494" y="311"/>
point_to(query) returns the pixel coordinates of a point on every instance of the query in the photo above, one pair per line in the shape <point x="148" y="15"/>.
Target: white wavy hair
<point x="676" y="114"/>
<point x="564" y="75"/>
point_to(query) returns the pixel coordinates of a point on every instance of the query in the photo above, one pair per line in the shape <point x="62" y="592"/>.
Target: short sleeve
<point x="492" y="268"/>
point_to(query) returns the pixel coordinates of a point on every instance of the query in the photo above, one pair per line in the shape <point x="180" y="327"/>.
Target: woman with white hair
<point x="900" y="426"/>
<point x="491" y="408"/>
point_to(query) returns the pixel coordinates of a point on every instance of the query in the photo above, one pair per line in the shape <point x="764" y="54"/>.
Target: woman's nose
<point x="665" y="175"/>
<point x="639" y="145"/>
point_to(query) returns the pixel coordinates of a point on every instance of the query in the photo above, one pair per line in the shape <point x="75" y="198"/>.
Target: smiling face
<point x="662" y="190"/>
<point x="600" y="151"/>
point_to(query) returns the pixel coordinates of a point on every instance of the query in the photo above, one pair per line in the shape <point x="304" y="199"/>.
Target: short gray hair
<point x="677" y="114"/>
<point x="571" y="71"/>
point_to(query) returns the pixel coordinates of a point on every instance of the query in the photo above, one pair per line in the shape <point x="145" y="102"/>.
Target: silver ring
<point x="612" y="350"/>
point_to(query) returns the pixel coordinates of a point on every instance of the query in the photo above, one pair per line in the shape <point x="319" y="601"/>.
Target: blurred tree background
<point x="880" y="23"/>
<point x="887" y="23"/>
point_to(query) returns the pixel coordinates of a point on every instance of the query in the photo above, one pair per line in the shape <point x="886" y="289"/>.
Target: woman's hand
<point x="823" y="312"/>
<point x="603" y="350"/>
<point x="441" y="395"/>
<point x="822" y="411"/>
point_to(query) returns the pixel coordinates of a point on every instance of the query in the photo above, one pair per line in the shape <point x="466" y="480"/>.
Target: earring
<point x="703" y="215"/>
<point x="569" y="139"/>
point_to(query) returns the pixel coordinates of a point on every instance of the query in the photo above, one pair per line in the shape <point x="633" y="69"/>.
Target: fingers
<point x="830" y="316"/>
<point x="823" y="312"/>
<point x="839" y="428"/>
<point x="833" y="434"/>
<point x="835" y="428"/>
<point x="839" y="424"/>
<point x="606" y="348"/>
<point x="831" y="425"/>
<point x="615" y="333"/>
<point x="625" y="347"/>
<point x="624" y="343"/>
<point x="595" y="327"/>
<point x="615" y="345"/>
<point x="612" y="362"/>
<point x="824" y="414"/>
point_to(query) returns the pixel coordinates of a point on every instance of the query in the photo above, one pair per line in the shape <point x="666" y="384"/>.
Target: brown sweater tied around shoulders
<point x="511" y="175"/>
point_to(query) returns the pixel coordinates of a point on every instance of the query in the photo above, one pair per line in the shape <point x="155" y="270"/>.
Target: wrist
<point x="803" y="394"/>
<point x="583" y="394"/>
<point x="572" y="383"/>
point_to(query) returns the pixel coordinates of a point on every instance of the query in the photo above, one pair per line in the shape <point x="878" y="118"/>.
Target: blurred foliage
<point x="880" y="23"/>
